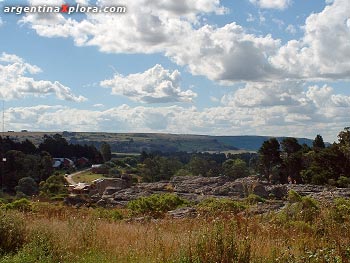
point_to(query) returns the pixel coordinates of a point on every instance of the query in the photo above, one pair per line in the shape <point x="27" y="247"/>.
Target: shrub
<point x="156" y="204"/>
<point x="294" y="197"/>
<point x="341" y="210"/>
<point x="109" y="214"/>
<point x="54" y="185"/>
<point x="220" y="205"/>
<point x="12" y="232"/>
<point x="254" y="199"/>
<point x="301" y="208"/>
<point x="23" y="205"/>
<point x="343" y="182"/>
<point x="27" y="186"/>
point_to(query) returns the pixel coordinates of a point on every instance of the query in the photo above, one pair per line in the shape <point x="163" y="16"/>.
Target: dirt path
<point x="69" y="177"/>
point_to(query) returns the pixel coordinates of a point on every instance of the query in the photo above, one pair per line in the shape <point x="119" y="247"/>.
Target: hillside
<point x="137" y="142"/>
<point x="253" y="143"/>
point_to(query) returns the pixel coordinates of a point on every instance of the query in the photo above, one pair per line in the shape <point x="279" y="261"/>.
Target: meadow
<point x="303" y="231"/>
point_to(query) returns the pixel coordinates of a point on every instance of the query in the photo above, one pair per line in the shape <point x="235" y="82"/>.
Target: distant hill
<point x="253" y="143"/>
<point x="137" y="142"/>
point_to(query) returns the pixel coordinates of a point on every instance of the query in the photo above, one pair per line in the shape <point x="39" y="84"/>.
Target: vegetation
<point x="106" y="152"/>
<point x="304" y="231"/>
<point x="54" y="185"/>
<point x="156" y="204"/>
<point x="25" y="165"/>
<point x="295" y="163"/>
<point x="87" y="177"/>
<point x="224" y="230"/>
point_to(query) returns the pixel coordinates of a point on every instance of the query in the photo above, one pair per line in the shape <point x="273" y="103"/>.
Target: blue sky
<point x="262" y="67"/>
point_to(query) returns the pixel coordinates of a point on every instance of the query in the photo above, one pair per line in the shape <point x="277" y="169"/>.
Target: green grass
<point x="87" y="177"/>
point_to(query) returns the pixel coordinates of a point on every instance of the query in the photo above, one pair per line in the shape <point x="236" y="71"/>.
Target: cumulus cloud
<point x="224" y="54"/>
<point x="311" y="111"/>
<point x="272" y="4"/>
<point x="155" y="85"/>
<point x="324" y="51"/>
<point x="265" y="95"/>
<point x="16" y="81"/>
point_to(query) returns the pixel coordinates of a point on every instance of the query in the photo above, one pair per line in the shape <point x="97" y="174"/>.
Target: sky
<point x="239" y="67"/>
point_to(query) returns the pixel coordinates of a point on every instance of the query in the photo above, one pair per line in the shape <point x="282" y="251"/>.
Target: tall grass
<point x="70" y="235"/>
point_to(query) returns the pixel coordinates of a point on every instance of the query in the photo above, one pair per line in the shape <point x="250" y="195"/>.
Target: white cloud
<point x="82" y="2"/>
<point x="224" y="54"/>
<point x="276" y="110"/>
<point x="155" y="85"/>
<point x="1" y="22"/>
<point x="16" y="81"/>
<point x="272" y="4"/>
<point x="265" y="95"/>
<point x="324" y="51"/>
<point x="291" y="29"/>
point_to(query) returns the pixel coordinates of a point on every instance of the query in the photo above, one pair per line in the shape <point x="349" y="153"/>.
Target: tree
<point x="324" y="165"/>
<point x="292" y="160"/>
<point x="344" y="147"/>
<point x="269" y="156"/>
<point x="106" y="152"/>
<point x="236" y="168"/>
<point x="54" y="185"/>
<point x="318" y="143"/>
<point x="290" y="145"/>
<point x="199" y="166"/>
<point x="27" y="186"/>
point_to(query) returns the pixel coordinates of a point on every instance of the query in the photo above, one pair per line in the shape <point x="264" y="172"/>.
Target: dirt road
<point x="69" y="177"/>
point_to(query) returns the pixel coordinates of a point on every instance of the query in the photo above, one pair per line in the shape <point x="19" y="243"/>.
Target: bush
<point x="27" y="186"/>
<point x="220" y="205"/>
<point x="12" y="232"/>
<point x="114" y="172"/>
<point x="301" y="208"/>
<point x="156" y="204"/>
<point x="294" y="197"/>
<point x="109" y="214"/>
<point x="23" y="205"/>
<point x="341" y="210"/>
<point x="254" y="199"/>
<point x="54" y="185"/>
<point x="343" y="182"/>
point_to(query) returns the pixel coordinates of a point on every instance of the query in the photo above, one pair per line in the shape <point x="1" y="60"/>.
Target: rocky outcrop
<point x="196" y="188"/>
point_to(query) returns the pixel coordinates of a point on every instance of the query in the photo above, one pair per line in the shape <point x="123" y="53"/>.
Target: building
<point x="60" y="163"/>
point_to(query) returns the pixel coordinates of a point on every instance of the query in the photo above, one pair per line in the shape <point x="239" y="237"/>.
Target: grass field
<point x="46" y="233"/>
<point x="86" y="177"/>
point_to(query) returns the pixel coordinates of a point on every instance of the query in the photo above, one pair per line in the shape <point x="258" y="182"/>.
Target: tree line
<point x="23" y="163"/>
<point x="290" y="162"/>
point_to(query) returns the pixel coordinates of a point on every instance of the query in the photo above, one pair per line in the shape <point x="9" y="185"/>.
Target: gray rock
<point x="184" y="212"/>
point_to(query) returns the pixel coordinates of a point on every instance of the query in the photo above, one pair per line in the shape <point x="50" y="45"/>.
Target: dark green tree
<point x="27" y="186"/>
<point x="318" y="143"/>
<point x="106" y="152"/>
<point x="292" y="160"/>
<point x="54" y="185"/>
<point x="235" y="168"/>
<point x="344" y="147"/>
<point x="204" y="166"/>
<point x="269" y="156"/>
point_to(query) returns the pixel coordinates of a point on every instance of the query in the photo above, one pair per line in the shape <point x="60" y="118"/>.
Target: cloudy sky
<point x="233" y="67"/>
